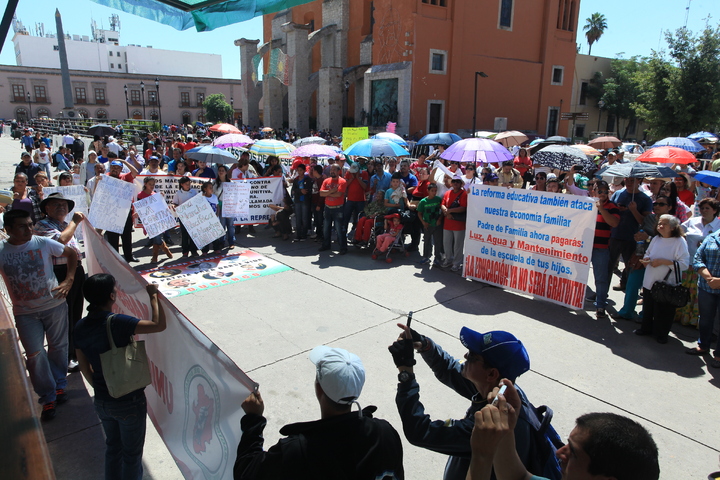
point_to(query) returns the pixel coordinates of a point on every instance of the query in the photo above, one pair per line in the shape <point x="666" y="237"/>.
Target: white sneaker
<point x="72" y="365"/>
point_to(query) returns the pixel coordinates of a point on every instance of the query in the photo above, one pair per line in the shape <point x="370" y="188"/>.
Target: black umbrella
<point x="637" y="170"/>
<point x="563" y="157"/>
<point x="101" y="130"/>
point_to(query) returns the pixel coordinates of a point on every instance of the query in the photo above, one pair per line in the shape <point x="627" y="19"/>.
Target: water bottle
<point x="640" y="246"/>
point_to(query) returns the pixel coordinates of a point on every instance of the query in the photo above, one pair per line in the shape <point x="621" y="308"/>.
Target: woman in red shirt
<point x="523" y="164"/>
<point x="684" y="193"/>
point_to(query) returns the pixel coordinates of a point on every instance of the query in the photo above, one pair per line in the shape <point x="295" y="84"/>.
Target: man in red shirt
<point x="454" y="209"/>
<point x="333" y="191"/>
<point x="357" y="185"/>
<point x="116" y="168"/>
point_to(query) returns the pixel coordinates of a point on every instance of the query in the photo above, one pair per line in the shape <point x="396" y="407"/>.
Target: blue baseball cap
<point x="500" y="349"/>
<point x="116" y="163"/>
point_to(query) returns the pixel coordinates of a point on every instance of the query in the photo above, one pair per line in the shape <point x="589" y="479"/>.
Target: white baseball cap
<point x="340" y="373"/>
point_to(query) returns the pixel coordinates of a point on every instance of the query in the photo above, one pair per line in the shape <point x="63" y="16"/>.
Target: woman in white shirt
<point x="667" y="247"/>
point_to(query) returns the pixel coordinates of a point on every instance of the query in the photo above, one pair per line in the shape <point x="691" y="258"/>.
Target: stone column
<point x="298" y="94"/>
<point x="330" y="99"/>
<point x="272" y="103"/>
<point x="250" y="93"/>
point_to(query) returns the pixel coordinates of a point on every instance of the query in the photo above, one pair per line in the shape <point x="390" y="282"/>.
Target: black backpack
<point x="542" y="460"/>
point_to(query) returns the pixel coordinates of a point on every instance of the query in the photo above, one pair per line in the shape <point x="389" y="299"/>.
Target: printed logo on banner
<point x="202" y="429"/>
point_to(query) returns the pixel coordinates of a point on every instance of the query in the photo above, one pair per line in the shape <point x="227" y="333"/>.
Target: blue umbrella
<point x="680" y="142"/>
<point x="701" y="135"/>
<point x="376" y="147"/>
<point x="211" y="154"/>
<point x="709" y="177"/>
<point x="442" y="138"/>
<point x="393" y="137"/>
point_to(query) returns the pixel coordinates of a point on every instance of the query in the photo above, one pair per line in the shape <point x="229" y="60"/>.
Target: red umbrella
<point x="667" y="155"/>
<point x="605" y="142"/>
<point x="224" y="128"/>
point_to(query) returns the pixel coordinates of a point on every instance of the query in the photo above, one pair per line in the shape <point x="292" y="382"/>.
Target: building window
<point x="580" y="130"/>
<point x="567" y="9"/>
<point x="201" y="117"/>
<point x="435" y="116"/>
<point x="583" y="94"/>
<point x="83" y="113"/>
<point x="40" y="94"/>
<point x="186" y="118"/>
<point x="43" y="112"/>
<point x="136" y="114"/>
<point x="200" y="97"/>
<point x="80" y="95"/>
<point x="185" y="99"/>
<point x="439" y="3"/>
<point x="100" y="96"/>
<point x="101" y="113"/>
<point x="135" y="97"/>
<point x="22" y="114"/>
<point x="153" y="115"/>
<point x="506" y="10"/>
<point x="110" y="53"/>
<point x="557" y="75"/>
<point x="438" y="62"/>
<point x="152" y="98"/>
<point x="552" y="125"/>
<point x="112" y="65"/>
<point x="18" y="93"/>
<point x="117" y="53"/>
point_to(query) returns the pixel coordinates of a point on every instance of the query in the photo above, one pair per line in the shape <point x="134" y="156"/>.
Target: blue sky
<point x="634" y="27"/>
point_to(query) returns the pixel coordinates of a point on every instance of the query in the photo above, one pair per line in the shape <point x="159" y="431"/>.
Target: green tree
<point x="620" y="91"/>
<point x="679" y="93"/>
<point x="594" y="28"/>
<point x="217" y="109"/>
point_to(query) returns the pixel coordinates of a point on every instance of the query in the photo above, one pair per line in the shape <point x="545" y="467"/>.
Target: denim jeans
<point x="708" y="304"/>
<point x="302" y="219"/>
<point x="352" y="210"/>
<point x="632" y="289"/>
<point x="48" y="370"/>
<point x="229" y="226"/>
<point x="601" y="272"/>
<point x="46" y="168"/>
<point x="334" y="215"/>
<point x="433" y="235"/>
<point x="124" y="423"/>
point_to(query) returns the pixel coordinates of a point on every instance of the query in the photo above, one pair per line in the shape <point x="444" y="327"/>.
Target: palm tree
<point x="594" y="28"/>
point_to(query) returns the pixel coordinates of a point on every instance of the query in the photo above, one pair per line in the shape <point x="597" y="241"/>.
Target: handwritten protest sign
<point x="352" y="135"/>
<point x="236" y="199"/>
<point x="77" y="194"/>
<point x="200" y="221"/>
<point x="155" y="215"/>
<point x="111" y="204"/>
<point x="539" y="243"/>
<point x="263" y="192"/>
<point x="167" y="185"/>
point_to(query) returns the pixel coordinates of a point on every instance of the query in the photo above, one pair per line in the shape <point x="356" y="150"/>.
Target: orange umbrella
<point x="588" y="150"/>
<point x="667" y="155"/>
<point x="605" y="142"/>
<point x="224" y="128"/>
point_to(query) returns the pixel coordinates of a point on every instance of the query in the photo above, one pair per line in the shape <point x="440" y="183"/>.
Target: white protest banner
<point x="77" y="194"/>
<point x="155" y="215"/>
<point x="263" y="191"/>
<point x="539" y="243"/>
<point x="236" y="199"/>
<point x="111" y="204"/>
<point x="200" y="221"/>
<point x="196" y="391"/>
<point x="167" y="185"/>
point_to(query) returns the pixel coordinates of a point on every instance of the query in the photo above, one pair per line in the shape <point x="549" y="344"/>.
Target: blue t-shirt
<point x="629" y="225"/>
<point x="409" y="181"/>
<point x="381" y="182"/>
<point x="91" y="338"/>
<point x="207" y="173"/>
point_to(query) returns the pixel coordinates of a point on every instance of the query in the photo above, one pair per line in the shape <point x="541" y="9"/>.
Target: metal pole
<point x="142" y="97"/>
<point x="232" y="105"/>
<point x="157" y="89"/>
<point x="29" y="107"/>
<point x="127" y="104"/>
<point x="483" y="75"/>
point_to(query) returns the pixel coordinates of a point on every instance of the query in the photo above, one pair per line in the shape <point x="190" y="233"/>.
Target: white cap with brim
<point x="340" y="373"/>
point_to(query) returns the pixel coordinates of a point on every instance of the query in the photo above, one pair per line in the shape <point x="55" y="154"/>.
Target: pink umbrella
<point x="232" y="140"/>
<point x="478" y="150"/>
<point x="316" y="151"/>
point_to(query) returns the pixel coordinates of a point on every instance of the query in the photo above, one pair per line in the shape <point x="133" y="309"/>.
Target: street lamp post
<point x="142" y="97"/>
<point x="483" y="75"/>
<point x="157" y="99"/>
<point x="601" y="104"/>
<point x="232" y="105"/>
<point x="127" y="104"/>
<point x="29" y="107"/>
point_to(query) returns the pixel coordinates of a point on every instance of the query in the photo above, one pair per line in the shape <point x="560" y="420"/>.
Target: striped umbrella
<point x="232" y="140"/>
<point x="271" y="147"/>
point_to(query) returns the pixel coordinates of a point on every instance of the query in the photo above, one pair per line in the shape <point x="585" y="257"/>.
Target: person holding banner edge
<point x="123" y="419"/>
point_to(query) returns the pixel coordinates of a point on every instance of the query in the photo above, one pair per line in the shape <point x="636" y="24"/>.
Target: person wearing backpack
<point x="491" y="356"/>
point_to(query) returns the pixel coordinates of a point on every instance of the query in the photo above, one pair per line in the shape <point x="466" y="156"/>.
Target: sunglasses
<point x="658" y="204"/>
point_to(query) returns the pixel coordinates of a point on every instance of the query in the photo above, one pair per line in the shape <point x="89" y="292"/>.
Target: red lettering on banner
<point x="566" y="291"/>
<point x="130" y="306"/>
<point x="162" y="385"/>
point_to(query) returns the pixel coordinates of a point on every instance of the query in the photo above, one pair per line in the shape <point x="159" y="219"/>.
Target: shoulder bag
<point x="459" y="216"/>
<point x="675" y="295"/>
<point x="125" y="369"/>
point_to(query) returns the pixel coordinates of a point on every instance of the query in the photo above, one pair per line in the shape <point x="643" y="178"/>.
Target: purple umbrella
<point x="477" y="150"/>
<point x="316" y="151"/>
<point x="232" y="140"/>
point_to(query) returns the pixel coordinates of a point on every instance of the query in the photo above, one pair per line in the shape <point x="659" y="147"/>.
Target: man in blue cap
<point x="491" y="357"/>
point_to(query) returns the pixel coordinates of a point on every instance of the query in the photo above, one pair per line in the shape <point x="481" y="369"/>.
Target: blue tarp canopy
<point x="204" y="15"/>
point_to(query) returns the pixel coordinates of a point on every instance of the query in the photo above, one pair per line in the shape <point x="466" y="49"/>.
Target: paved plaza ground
<point x="268" y="326"/>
